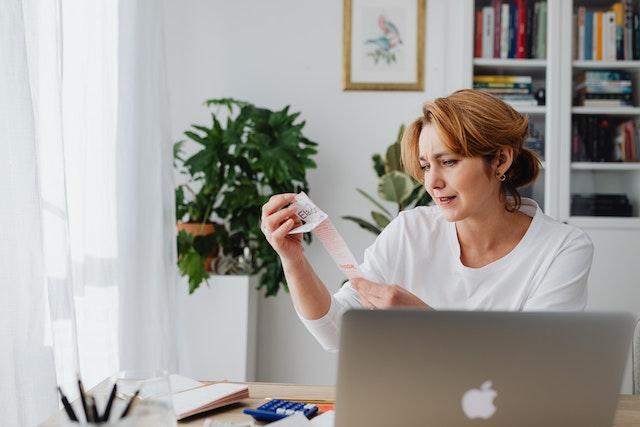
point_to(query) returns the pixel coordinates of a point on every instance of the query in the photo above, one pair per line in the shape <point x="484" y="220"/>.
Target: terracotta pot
<point x="199" y="229"/>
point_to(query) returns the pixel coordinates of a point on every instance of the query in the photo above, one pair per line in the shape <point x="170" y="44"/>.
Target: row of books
<point x="603" y="88"/>
<point x="608" y="34"/>
<point x="516" y="90"/>
<point x="598" y="138"/>
<point x="594" y="204"/>
<point x="511" y="30"/>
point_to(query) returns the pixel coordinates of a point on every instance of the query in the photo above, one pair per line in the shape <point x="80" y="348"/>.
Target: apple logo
<point x="478" y="402"/>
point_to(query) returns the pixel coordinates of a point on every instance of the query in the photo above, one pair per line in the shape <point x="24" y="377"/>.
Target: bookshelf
<point x="611" y="175"/>
<point x="564" y="174"/>
<point x="613" y="283"/>
<point x="543" y="117"/>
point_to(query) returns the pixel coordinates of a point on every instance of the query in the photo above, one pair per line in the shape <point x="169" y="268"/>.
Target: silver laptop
<point x="411" y="367"/>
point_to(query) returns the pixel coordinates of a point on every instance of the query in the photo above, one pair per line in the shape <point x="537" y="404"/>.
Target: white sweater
<point x="419" y="250"/>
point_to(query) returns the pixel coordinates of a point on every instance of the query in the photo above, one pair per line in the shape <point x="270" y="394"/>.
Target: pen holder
<point x="149" y="395"/>
<point x="127" y="399"/>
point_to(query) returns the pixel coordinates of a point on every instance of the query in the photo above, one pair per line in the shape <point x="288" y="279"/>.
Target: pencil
<point x="67" y="406"/>
<point x="107" y="409"/>
<point x="130" y="404"/>
<point x="92" y="411"/>
<point x="83" y="399"/>
<point x="301" y="399"/>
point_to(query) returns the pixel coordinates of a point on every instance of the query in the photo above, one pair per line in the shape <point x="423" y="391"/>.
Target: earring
<point x="501" y="177"/>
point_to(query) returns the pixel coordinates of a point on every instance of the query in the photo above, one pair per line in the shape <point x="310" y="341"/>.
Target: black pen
<point x="67" y="406"/>
<point x="130" y="404"/>
<point x="91" y="410"/>
<point x="107" y="410"/>
<point x="83" y="399"/>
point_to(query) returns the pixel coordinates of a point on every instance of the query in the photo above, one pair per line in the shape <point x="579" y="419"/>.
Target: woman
<point x="479" y="247"/>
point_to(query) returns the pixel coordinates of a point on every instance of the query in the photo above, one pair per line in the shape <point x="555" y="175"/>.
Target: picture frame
<point x="383" y="45"/>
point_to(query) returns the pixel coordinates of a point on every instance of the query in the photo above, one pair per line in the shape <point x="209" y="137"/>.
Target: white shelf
<point x="606" y="65"/>
<point x="606" y="166"/>
<point x="515" y="64"/>
<point x="615" y="223"/>
<point x="610" y="111"/>
<point x="533" y="110"/>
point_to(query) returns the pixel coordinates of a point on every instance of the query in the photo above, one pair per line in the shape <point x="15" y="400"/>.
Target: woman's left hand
<point x="374" y="295"/>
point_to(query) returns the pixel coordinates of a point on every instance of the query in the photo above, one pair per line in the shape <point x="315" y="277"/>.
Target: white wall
<point x="289" y="52"/>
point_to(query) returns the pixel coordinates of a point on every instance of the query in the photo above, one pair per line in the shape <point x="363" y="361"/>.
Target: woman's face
<point x="461" y="186"/>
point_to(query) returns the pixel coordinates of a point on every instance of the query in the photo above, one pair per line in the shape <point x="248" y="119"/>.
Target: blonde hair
<point x="474" y="123"/>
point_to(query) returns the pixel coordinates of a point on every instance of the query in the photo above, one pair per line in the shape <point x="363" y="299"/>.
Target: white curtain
<point x="87" y="259"/>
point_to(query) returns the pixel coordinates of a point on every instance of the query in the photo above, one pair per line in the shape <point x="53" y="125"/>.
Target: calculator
<point x="277" y="408"/>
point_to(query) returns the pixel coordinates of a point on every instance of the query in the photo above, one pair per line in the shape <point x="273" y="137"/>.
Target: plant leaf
<point x="395" y="187"/>
<point x="381" y="220"/>
<point x="364" y="224"/>
<point x="374" y="201"/>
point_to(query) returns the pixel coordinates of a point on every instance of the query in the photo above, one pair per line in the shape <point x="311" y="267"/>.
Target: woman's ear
<point x="503" y="160"/>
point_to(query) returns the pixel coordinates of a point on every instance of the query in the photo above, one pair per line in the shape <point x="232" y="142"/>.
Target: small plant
<point x="394" y="185"/>
<point x="247" y="154"/>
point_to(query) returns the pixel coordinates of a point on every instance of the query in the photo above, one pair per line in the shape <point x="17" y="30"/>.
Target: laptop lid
<point x="415" y="367"/>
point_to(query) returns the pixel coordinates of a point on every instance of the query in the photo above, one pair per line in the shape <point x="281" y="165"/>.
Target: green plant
<point x="394" y="185"/>
<point x="244" y="156"/>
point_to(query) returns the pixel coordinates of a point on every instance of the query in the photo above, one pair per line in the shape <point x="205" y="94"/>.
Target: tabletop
<point x="627" y="413"/>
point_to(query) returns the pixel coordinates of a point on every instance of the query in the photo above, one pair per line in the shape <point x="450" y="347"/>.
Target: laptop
<point x="414" y="367"/>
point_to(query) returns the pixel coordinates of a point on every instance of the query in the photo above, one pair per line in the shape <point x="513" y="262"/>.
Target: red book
<point x="478" y="39"/>
<point x="521" y="35"/>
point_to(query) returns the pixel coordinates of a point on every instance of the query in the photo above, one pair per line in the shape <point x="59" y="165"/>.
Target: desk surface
<point x="627" y="414"/>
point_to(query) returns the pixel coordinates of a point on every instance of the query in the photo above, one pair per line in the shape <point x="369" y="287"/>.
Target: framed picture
<point x="383" y="45"/>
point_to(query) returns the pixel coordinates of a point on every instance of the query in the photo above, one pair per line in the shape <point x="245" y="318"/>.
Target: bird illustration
<point x="389" y="29"/>
<point x="381" y="42"/>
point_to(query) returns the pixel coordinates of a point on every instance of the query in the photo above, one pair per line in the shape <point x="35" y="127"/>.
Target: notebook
<point x="413" y="367"/>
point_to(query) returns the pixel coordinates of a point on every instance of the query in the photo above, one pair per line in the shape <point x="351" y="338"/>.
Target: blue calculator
<point x="276" y="409"/>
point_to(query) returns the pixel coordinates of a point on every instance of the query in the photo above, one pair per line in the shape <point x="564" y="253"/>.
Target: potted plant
<point x="241" y="158"/>
<point x="394" y="185"/>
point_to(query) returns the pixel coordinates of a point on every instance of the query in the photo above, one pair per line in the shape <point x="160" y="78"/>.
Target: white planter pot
<point x="217" y="327"/>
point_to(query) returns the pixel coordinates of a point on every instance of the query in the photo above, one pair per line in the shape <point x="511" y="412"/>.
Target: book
<point x="628" y="29"/>
<point x="505" y="21"/>
<point x="529" y="29"/>
<point x="521" y="103"/>
<point x="588" y="35"/>
<point x="487" y="31"/>
<point x="541" y="39"/>
<point x="604" y="103"/>
<point x="513" y="29"/>
<point x="636" y="38"/>
<point x="618" y="9"/>
<point x="580" y="22"/>
<point x="608" y="36"/>
<point x="496" y="91"/>
<point x="521" y="37"/>
<point x="597" y="76"/>
<point x="478" y="35"/>
<point x="207" y="397"/>
<point x="490" y="78"/>
<point x="616" y="86"/>
<point x="497" y="27"/>
<point x="597" y="35"/>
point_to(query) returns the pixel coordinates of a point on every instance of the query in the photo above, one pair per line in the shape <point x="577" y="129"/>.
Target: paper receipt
<point x="313" y="219"/>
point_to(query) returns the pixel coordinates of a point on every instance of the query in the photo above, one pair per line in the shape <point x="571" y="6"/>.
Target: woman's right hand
<point x="278" y="218"/>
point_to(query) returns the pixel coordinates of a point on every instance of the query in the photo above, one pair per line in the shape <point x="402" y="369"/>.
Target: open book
<point x="192" y="397"/>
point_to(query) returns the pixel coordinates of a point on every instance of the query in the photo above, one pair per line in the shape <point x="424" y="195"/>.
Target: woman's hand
<point x="374" y="295"/>
<point x="278" y="218"/>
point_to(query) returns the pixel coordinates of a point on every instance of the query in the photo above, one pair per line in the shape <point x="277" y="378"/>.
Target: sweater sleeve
<point x="326" y="329"/>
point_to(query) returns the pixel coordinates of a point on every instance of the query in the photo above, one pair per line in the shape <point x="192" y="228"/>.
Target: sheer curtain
<point x="87" y="255"/>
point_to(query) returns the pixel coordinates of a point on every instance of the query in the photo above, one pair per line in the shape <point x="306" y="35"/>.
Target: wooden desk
<point x="258" y="392"/>
<point x="627" y="414"/>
